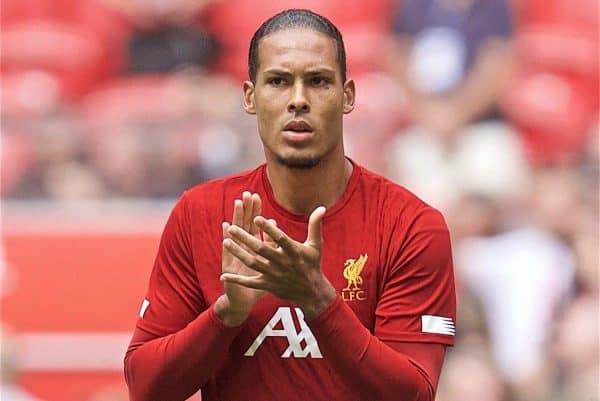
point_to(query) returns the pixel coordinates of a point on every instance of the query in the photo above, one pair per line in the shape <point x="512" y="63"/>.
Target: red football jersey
<point x="386" y="252"/>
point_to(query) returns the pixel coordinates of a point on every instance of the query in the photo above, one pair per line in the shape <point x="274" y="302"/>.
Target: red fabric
<point x="407" y="274"/>
<point x="171" y="367"/>
<point x="371" y="367"/>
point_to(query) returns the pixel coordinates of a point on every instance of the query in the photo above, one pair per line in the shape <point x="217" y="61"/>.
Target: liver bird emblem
<point x="352" y="269"/>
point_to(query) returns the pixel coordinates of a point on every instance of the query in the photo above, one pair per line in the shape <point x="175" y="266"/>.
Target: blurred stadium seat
<point x="363" y="23"/>
<point x="553" y="99"/>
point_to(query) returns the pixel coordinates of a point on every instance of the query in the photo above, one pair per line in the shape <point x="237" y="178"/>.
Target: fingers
<point x="244" y="211"/>
<point x="267" y="238"/>
<point x="247" y="281"/>
<point x="226" y="256"/>
<point x="255" y="262"/>
<point x="315" y="224"/>
<point x="238" y="213"/>
<point x="253" y="244"/>
<point x="248" y="207"/>
<point x="279" y="237"/>
<point x="256" y="210"/>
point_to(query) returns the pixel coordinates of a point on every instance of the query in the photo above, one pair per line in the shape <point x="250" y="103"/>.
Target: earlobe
<point x="249" y="105"/>
<point x="349" y="96"/>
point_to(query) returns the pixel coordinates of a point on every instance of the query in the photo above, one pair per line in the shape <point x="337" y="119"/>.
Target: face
<point x="299" y="98"/>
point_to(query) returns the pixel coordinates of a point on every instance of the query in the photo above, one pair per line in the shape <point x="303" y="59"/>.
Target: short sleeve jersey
<point x="386" y="252"/>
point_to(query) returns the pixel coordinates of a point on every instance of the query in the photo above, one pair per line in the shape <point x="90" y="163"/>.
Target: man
<point x="453" y="60"/>
<point x="330" y="282"/>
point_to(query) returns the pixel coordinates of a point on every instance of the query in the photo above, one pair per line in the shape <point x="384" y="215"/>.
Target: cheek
<point x="331" y="112"/>
<point x="269" y="106"/>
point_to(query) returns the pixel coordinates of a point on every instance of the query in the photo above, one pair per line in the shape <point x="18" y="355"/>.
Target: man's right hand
<point x="234" y="306"/>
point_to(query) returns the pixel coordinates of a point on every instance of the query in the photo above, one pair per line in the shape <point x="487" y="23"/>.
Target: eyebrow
<point x="312" y="71"/>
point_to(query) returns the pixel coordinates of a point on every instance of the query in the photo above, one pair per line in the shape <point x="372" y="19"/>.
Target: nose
<point x="298" y="102"/>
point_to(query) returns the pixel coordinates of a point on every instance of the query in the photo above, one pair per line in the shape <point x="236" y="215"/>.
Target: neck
<point x="302" y="190"/>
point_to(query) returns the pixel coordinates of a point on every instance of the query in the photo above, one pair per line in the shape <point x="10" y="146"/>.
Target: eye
<point x="319" y="81"/>
<point x="276" y="81"/>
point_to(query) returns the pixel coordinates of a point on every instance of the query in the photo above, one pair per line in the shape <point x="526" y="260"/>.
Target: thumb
<point x="315" y="223"/>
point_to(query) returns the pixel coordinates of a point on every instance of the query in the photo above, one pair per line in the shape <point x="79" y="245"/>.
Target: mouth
<point x="298" y="126"/>
<point x="297" y="131"/>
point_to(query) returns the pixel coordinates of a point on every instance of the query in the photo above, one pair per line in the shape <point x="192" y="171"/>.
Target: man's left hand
<point x="291" y="270"/>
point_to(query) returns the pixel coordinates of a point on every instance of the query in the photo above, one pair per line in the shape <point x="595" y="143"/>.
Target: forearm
<point x="175" y="366"/>
<point x="363" y="362"/>
<point x="486" y="81"/>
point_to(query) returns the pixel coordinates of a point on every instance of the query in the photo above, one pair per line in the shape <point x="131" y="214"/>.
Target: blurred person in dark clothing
<point x="166" y="35"/>
<point x="453" y="58"/>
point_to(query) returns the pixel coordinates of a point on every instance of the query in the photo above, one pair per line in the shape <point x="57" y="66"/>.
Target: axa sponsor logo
<point x="302" y="344"/>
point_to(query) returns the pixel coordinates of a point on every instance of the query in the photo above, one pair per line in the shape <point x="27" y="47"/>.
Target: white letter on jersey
<point x="145" y="305"/>
<point x="284" y="315"/>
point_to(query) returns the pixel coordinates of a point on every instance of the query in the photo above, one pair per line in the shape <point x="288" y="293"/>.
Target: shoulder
<point x="395" y="201"/>
<point x="400" y="214"/>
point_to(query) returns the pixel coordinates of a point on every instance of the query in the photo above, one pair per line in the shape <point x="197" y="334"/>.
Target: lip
<point x="297" y="132"/>
<point x="297" y="138"/>
<point x="298" y="126"/>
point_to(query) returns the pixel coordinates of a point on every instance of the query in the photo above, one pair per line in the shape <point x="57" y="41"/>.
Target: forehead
<point x="297" y="48"/>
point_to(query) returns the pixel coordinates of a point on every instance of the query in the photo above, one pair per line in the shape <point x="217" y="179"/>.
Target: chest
<point x="351" y="259"/>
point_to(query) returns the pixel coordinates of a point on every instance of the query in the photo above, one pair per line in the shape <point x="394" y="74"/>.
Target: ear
<point x="249" y="105"/>
<point x="349" y="96"/>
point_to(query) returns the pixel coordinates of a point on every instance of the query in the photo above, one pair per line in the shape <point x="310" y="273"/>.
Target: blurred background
<point x="487" y="109"/>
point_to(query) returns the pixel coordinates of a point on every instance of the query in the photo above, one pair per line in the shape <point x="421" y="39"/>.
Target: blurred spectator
<point x="485" y="160"/>
<point x="521" y="277"/>
<point x="453" y="59"/>
<point x="60" y="171"/>
<point x="165" y="35"/>
<point x="523" y="268"/>
<point x="576" y="351"/>
<point x="469" y="375"/>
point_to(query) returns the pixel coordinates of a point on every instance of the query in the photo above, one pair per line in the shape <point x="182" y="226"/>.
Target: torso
<point x="353" y="233"/>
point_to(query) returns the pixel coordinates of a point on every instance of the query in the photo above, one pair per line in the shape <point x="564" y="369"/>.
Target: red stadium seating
<point x="553" y="99"/>
<point x="234" y="23"/>
<point x="71" y="53"/>
<point x="139" y="98"/>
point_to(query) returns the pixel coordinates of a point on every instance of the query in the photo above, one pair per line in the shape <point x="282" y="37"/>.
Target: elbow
<point x="414" y="386"/>
<point x="423" y="389"/>
<point x="138" y="391"/>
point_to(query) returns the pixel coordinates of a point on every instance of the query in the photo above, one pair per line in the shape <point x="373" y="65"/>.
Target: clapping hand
<point x="279" y="265"/>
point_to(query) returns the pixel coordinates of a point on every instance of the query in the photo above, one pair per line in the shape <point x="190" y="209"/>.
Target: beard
<point x="300" y="163"/>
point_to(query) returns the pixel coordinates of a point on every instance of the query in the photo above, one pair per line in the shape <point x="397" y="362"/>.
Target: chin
<point x="298" y="162"/>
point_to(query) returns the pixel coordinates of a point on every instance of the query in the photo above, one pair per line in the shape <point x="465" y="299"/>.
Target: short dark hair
<point x="296" y="18"/>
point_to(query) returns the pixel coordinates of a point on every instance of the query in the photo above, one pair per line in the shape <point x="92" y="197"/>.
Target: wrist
<point x="230" y="316"/>
<point x="322" y="298"/>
